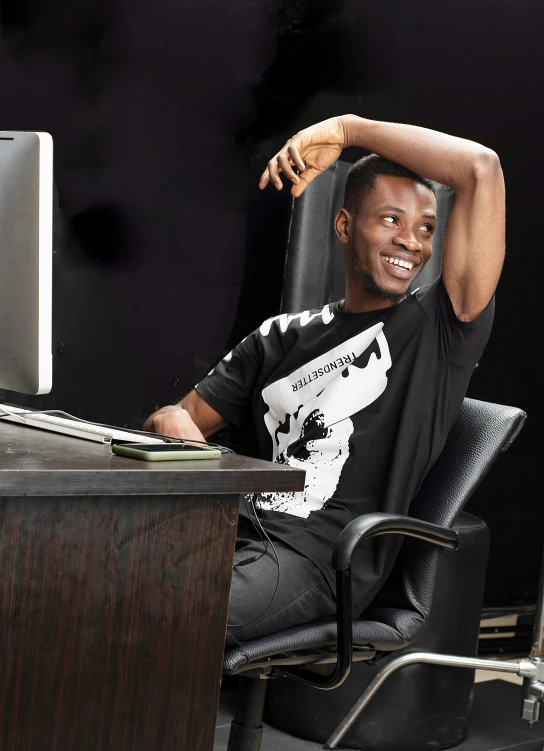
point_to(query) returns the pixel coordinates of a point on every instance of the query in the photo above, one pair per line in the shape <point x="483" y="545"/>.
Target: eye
<point x="389" y="219"/>
<point x="427" y="228"/>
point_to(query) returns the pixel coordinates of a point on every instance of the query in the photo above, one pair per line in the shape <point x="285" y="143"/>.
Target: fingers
<point x="318" y="146"/>
<point x="282" y="162"/>
<point x="274" y="174"/>
<point x="307" y="174"/>
<point x="271" y="174"/>
<point x="285" y="167"/>
<point x="294" y="155"/>
<point x="173" y="421"/>
<point x="306" y="177"/>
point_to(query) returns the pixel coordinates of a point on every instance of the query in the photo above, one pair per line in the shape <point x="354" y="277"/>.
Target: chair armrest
<point x="372" y="525"/>
<point x="356" y="532"/>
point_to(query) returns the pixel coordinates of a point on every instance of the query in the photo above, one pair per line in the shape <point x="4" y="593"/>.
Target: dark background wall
<point x="166" y="253"/>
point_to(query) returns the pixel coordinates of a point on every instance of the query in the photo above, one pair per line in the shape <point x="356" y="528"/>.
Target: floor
<point x="491" y="675"/>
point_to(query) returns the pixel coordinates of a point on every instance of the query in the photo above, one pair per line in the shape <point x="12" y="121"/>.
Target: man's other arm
<point x="475" y="240"/>
<point x="192" y="418"/>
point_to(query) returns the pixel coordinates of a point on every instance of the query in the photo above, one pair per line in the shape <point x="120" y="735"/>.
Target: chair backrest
<point x="314" y="265"/>
<point x="481" y="432"/>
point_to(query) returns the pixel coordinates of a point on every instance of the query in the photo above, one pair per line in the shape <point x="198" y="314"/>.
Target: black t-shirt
<point x="362" y="401"/>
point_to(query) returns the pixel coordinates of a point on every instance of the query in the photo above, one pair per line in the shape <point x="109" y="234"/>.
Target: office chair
<point x="321" y="654"/>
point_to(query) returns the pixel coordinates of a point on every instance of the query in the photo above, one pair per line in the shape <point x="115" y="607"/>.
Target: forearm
<point x="205" y="417"/>
<point x="446" y="159"/>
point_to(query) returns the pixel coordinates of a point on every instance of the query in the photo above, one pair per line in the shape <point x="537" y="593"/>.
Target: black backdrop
<point x="166" y="253"/>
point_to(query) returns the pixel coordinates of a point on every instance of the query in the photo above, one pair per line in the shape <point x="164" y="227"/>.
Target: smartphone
<point x="158" y="452"/>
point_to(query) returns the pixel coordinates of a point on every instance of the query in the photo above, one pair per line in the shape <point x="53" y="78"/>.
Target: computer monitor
<point x="26" y="260"/>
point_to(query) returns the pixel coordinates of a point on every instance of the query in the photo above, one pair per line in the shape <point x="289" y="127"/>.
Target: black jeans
<point x="265" y="599"/>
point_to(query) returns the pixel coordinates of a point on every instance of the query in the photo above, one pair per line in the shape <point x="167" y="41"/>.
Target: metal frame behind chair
<point x="531" y="669"/>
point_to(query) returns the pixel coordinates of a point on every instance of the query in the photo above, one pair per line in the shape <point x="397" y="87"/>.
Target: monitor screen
<point x="26" y="238"/>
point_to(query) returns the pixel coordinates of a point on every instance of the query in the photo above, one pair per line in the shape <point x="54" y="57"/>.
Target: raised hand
<point x="311" y="150"/>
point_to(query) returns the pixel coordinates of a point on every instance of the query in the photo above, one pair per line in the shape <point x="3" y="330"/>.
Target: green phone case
<point x="161" y="456"/>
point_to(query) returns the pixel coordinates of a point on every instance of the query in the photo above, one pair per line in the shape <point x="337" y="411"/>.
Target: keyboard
<point x="65" y="425"/>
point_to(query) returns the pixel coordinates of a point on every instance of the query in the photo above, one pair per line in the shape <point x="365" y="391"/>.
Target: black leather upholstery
<point x="480" y="433"/>
<point x="314" y="266"/>
<point x="398" y="613"/>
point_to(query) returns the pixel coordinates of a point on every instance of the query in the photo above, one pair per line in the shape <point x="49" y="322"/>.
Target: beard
<point x="371" y="285"/>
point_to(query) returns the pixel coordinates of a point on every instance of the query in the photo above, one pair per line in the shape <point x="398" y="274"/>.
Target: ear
<point x="342" y="226"/>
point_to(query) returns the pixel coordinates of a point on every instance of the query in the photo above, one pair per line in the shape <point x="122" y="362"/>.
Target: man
<point x="361" y="393"/>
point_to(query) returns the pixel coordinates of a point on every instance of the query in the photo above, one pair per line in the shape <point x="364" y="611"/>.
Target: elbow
<point x="486" y="167"/>
<point x="482" y="168"/>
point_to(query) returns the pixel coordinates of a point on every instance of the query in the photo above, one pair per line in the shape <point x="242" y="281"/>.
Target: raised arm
<point x="474" y="246"/>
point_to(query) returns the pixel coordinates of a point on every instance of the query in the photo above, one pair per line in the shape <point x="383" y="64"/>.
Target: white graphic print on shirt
<point x="283" y="322"/>
<point x="317" y="401"/>
<point x="303" y="319"/>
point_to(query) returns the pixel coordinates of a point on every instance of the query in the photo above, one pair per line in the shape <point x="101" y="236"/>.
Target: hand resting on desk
<point x="191" y="418"/>
<point x="173" y="421"/>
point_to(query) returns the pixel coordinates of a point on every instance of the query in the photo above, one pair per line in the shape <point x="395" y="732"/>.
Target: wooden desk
<point x="114" y="583"/>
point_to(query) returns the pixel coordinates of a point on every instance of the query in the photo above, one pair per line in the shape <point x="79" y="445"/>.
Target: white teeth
<point x="399" y="262"/>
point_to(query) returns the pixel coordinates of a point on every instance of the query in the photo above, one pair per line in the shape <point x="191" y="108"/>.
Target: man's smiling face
<point x="390" y="239"/>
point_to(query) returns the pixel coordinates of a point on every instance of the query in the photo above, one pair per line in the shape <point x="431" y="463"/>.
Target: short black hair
<point x="362" y="175"/>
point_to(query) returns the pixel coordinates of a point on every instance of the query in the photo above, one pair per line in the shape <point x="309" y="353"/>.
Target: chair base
<point x="522" y="667"/>
<point x="246" y="729"/>
<point x="244" y="739"/>
<point x="495" y="724"/>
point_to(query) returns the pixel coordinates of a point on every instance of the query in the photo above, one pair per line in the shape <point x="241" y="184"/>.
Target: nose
<point x="407" y="240"/>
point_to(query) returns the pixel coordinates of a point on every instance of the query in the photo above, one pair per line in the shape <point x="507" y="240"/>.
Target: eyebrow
<point x="402" y="211"/>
